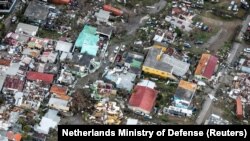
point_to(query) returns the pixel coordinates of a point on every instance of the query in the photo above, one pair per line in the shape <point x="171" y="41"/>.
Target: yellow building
<point x="161" y="63"/>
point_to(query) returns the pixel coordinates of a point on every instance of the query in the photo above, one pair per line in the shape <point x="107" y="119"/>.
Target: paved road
<point x="235" y="52"/>
<point x="208" y="102"/>
<point x="16" y="8"/>
<point x="244" y="28"/>
<point x="137" y="21"/>
<point x="158" y="6"/>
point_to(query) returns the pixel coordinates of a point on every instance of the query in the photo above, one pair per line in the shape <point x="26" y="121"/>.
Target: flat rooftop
<point x="167" y="63"/>
<point x="36" y="11"/>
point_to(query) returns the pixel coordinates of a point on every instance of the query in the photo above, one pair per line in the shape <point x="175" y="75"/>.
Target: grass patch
<point x="43" y="33"/>
<point x="204" y="36"/>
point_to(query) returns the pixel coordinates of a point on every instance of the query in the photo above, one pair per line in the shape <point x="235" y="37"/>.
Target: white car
<point x="1" y="17"/>
<point x="116" y="49"/>
<point x="123" y="48"/>
<point x="201" y="25"/>
<point x="232" y="2"/>
<point x="197" y="24"/>
<point x="247" y="50"/>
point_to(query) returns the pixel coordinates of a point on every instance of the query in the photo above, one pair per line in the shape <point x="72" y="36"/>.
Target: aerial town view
<point x="122" y="62"/>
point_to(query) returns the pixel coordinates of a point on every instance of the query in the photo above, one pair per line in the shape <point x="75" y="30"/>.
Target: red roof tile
<point x="32" y="76"/>
<point x="211" y="64"/>
<point x="143" y="97"/>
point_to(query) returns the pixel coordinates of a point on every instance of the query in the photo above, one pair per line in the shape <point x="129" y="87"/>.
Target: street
<point x="205" y="112"/>
<point x="244" y="28"/>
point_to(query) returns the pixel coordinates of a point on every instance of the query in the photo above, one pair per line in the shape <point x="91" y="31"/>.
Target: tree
<point x="178" y="32"/>
<point x="26" y="128"/>
<point x="82" y="101"/>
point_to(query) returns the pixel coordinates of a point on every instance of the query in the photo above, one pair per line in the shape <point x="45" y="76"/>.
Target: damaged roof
<point x="4" y="62"/>
<point x="36" y="11"/>
<point x="14" y="82"/>
<point x="185" y="91"/>
<point x="60" y="91"/>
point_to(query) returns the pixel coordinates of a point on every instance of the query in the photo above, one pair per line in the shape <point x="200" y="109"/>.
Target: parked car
<point x="229" y="7"/>
<point x="118" y="58"/>
<point x="201" y="25"/>
<point x="1" y="17"/>
<point x="247" y="50"/>
<point x="187" y="45"/>
<point x="204" y="28"/>
<point x="244" y="4"/>
<point x="2" y="47"/>
<point x="116" y="49"/>
<point x="13" y="19"/>
<point x="123" y="48"/>
<point x="235" y="8"/>
<point x="232" y="2"/>
<point x="248" y="28"/>
<point x="198" y="42"/>
<point x="197" y="24"/>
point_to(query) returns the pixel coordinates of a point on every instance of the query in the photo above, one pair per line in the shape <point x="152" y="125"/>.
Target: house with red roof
<point x="206" y="67"/>
<point x="34" y="76"/>
<point x="142" y="99"/>
<point x="239" y="108"/>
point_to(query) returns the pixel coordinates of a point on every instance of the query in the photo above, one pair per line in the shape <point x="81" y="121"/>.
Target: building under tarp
<point x="87" y="40"/>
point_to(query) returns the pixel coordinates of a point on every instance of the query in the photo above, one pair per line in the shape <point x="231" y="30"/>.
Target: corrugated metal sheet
<point x="211" y="65"/>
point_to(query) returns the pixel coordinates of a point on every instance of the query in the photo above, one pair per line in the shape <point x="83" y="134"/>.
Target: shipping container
<point x="113" y="10"/>
<point x="239" y="108"/>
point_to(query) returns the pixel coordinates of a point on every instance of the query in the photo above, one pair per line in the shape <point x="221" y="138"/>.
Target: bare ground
<point x="226" y="32"/>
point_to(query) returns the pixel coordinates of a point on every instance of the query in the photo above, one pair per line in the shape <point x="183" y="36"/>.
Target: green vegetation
<point x="164" y="118"/>
<point x="224" y="49"/>
<point x="43" y="33"/>
<point x="165" y="94"/>
<point x="204" y="36"/>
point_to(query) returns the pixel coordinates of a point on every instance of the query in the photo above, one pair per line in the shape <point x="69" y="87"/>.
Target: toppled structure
<point x="216" y="120"/>
<point x="107" y="113"/>
<point x="102" y="90"/>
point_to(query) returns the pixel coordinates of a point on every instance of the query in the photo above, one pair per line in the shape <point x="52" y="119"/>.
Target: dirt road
<point x="225" y="33"/>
